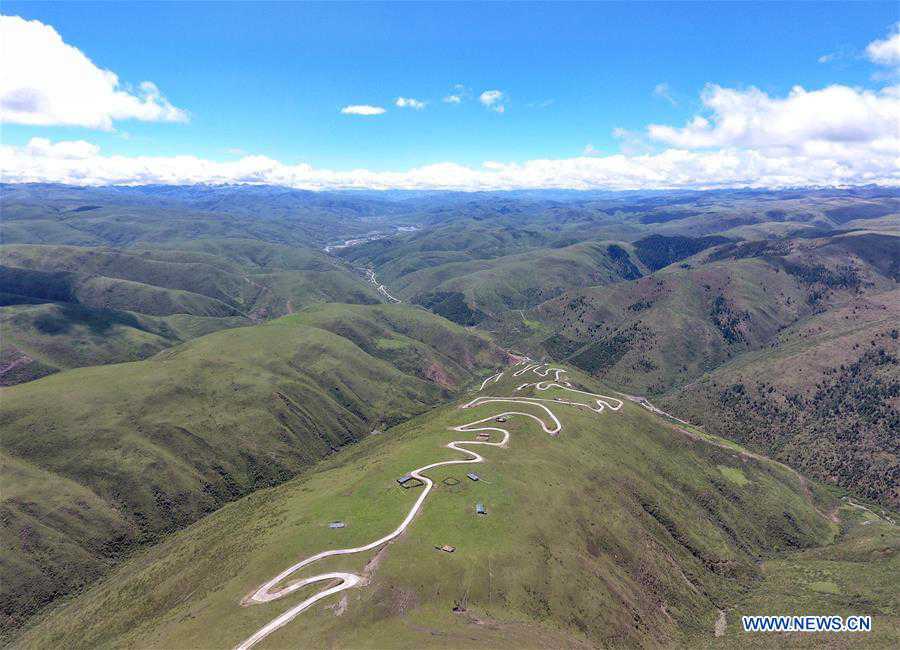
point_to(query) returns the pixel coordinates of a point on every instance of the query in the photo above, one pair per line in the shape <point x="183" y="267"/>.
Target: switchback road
<point x="551" y="425"/>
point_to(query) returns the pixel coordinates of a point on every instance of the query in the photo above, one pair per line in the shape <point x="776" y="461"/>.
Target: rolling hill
<point x="622" y="530"/>
<point x="822" y="397"/>
<point x="668" y="328"/>
<point x="166" y="216"/>
<point x="66" y="306"/>
<point x="130" y="452"/>
<point x="786" y="345"/>
<point x="471" y="291"/>
<point x="187" y="367"/>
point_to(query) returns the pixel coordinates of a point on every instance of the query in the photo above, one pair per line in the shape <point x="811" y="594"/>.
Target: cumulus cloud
<point x="458" y="96"/>
<point x="47" y="82"/>
<point x="409" y="102"/>
<point x="663" y="91"/>
<point x="66" y="149"/>
<point x="362" y="109"/>
<point x="494" y="100"/>
<point x="833" y="136"/>
<point x="82" y="163"/>
<point x="832" y="119"/>
<point x="886" y="51"/>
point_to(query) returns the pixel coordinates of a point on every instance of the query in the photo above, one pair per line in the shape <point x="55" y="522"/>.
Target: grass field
<point x="620" y="531"/>
<point x="157" y="444"/>
<point x="820" y="397"/>
<point x="67" y="307"/>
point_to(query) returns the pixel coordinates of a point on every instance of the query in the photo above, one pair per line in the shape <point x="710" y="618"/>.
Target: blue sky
<point x="271" y="79"/>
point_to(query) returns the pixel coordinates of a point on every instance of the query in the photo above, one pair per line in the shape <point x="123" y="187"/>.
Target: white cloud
<point x="44" y="82"/>
<point x="460" y="94"/>
<point x="854" y="163"/>
<point x="409" y="102"/>
<point x="833" y="136"/>
<point x="832" y="118"/>
<point x="632" y="143"/>
<point x="827" y="58"/>
<point x="362" y="109"/>
<point x="663" y="91"/>
<point x="66" y="149"/>
<point x="494" y="100"/>
<point x="886" y="51"/>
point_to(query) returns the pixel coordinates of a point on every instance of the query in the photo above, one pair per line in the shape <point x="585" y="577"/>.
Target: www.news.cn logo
<point x="806" y="623"/>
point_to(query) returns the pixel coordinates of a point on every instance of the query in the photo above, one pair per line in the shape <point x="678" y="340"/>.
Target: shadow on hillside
<point x="99" y="321"/>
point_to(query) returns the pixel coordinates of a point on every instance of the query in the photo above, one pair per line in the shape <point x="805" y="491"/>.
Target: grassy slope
<point x="786" y="346"/>
<point x="172" y="215"/>
<point x="251" y="278"/>
<point x="856" y="575"/>
<point x="202" y="275"/>
<point x="523" y="280"/>
<point x="40" y="339"/>
<point x="621" y="531"/>
<point x="822" y="396"/>
<point x="667" y="329"/>
<point x="114" y="305"/>
<point x="159" y="443"/>
<point x="487" y="287"/>
<point x="663" y="330"/>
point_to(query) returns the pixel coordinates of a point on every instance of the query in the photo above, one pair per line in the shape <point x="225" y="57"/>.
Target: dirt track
<point x="271" y="591"/>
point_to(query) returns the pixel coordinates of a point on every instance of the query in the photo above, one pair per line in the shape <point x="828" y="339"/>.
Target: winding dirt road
<point x="370" y="273"/>
<point x="271" y="591"/>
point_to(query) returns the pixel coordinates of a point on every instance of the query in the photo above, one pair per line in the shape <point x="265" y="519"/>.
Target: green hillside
<point x="245" y="277"/>
<point x="668" y="328"/>
<point x="621" y="531"/>
<point x="785" y="345"/>
<point x="471" y="291"/>
<point x="40" y="339"/>
<point x="198" y="380"/>
<point x="168" y="216"/>
<point x="524" y="280"/>
<point x="822" y="397"/>
<point x="98" y="460"/>
<point x="66" y="306"/>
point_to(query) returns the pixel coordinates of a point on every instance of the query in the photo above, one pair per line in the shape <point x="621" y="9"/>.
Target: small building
<point x="483" y="436"/>
<point x="409" y="481"/>
<point x="336" y="524"/>
<point x="446" y="548"/>
<point x="473" y="476"/>
<point x="479" y="509"/>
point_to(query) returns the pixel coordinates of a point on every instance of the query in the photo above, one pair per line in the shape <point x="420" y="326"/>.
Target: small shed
<point x="409" y="481"/>
<point x="336" y="524"/>
<point x="446" y="548"/>
<point x="473" y="476"/>
<point x="479" y="509"/>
